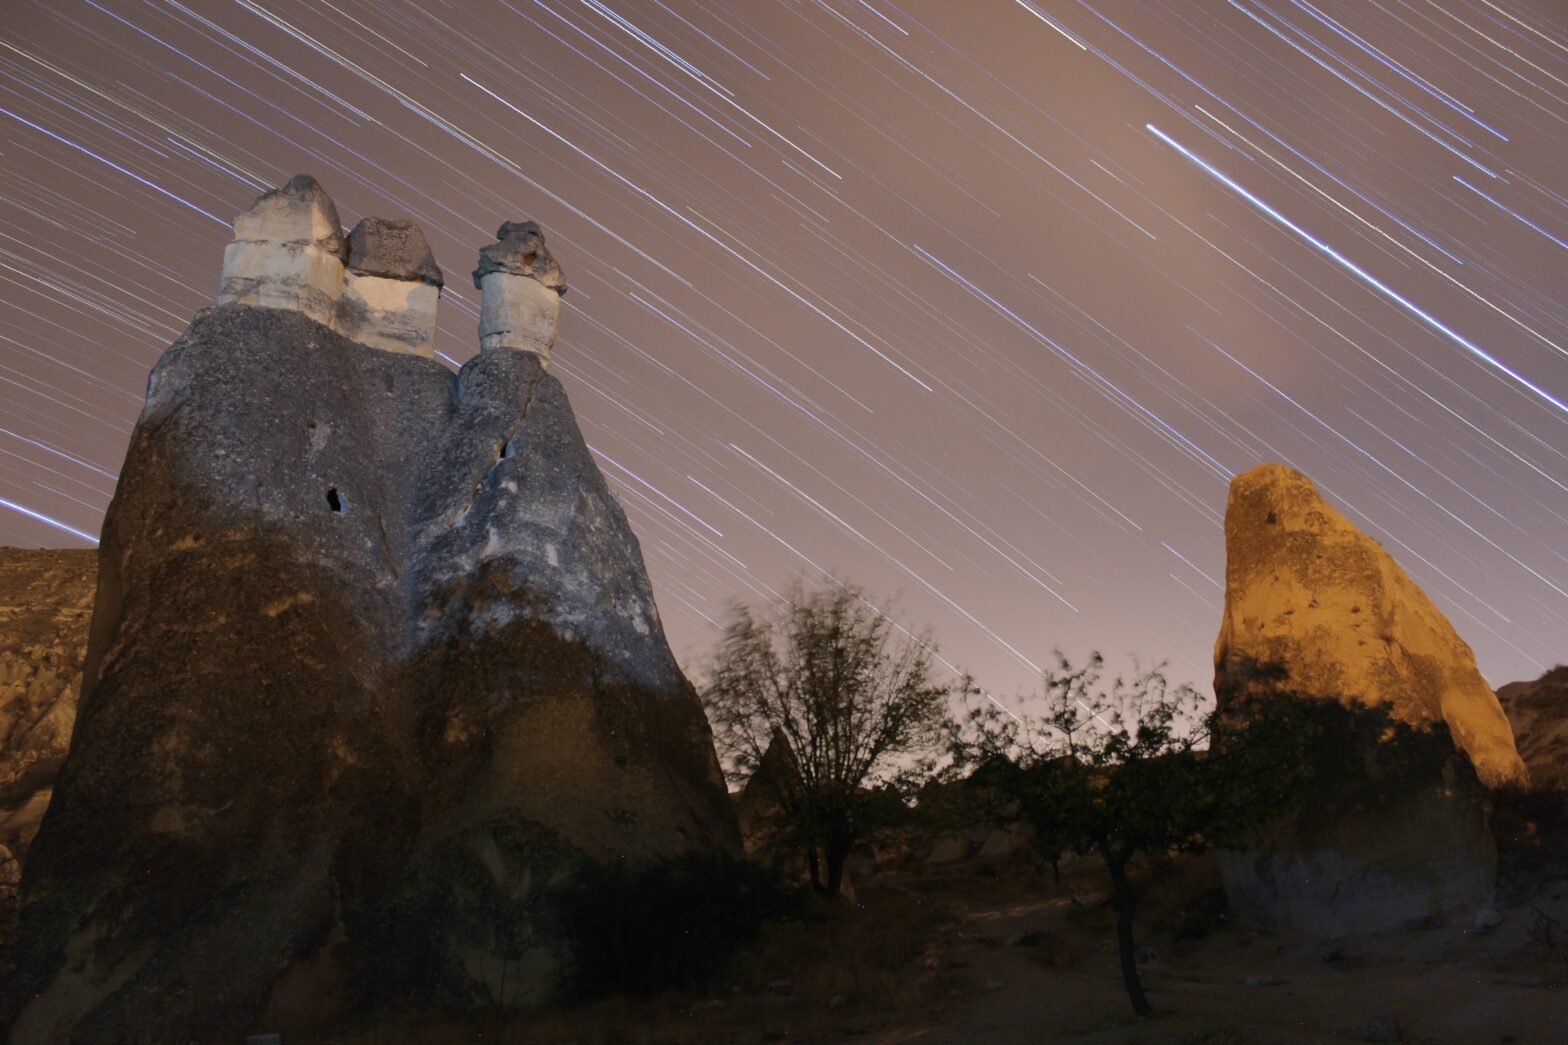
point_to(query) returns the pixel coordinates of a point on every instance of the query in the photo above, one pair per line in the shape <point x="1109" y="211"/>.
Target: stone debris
<point x="520" y="288"/>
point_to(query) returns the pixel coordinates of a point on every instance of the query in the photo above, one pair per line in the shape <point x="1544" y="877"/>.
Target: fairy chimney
<point x="520" y="287"/>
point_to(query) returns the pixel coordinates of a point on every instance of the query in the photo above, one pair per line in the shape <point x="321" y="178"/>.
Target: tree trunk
<point x="838" y="856"/>
<point x="1124" y="909"/>
<point x="816" y="868"/>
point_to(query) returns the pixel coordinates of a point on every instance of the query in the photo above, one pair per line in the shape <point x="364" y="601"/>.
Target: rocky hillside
<point x="46" y="602"/>
<point x="1539" y="713"/>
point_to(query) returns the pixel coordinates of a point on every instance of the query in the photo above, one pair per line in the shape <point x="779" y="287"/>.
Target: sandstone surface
<point x="1396" y="829"/>
<point x="288" y="252"/>
<point x="391" y="289"/>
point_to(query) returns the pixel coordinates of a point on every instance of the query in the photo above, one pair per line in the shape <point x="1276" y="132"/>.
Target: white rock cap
<point x="520" y="291"/>
<point x="288" y="252"/>
<point x="392" y="288"/>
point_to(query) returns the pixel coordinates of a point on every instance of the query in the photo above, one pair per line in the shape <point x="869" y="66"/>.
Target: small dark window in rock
<point x="1273" y="518"/>
<point x="333" y="500"/>
<point x="528" y="259"/>
<point x="506" y="450"/>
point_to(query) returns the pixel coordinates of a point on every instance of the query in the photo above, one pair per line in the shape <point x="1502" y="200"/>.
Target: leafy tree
<point x="1137" y="768"/>
<point x="861" y="710"/>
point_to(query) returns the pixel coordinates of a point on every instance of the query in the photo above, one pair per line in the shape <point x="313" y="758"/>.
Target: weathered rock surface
<point x="374" y="667"/>
<point x="1539" y="713"/>
<point x="380" y="285"/>
<point x="392" y="288"/>
<point x="1307" y="590"/>
<point x="393" y="248"/>
<point x="520" y="286"/>
<point x="46" y="600"/>
<point x="288" y="252"/>
<point x="1396" y="828"/>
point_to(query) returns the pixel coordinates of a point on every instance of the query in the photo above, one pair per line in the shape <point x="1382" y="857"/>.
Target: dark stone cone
<point x="374" y="666"/>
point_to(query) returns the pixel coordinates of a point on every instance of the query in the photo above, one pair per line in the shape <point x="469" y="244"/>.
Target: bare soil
<point x="950" y="956"/>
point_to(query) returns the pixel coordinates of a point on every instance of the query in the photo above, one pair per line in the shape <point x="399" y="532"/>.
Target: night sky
<point x="980" y="303"/>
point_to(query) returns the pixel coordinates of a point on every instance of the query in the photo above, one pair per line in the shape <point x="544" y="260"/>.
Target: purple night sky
<point x="978" y="304"/>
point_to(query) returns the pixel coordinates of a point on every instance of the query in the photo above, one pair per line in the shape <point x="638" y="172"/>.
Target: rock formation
<point x="520" y="287"/>
<point x="378" y="286"/>
<point x="391" y="288"/>
<point x="765" y="830"/>
<point x="1538" y="712"/>
<point x="759" y="806"/>
<point x="374" y="667"/>
<point x="288" y="253"/>
<point x="46" y="599"/>
<point x="1396" y="829"/>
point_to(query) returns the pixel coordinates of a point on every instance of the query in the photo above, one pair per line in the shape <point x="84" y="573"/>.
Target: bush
<point x="670" y="925"/>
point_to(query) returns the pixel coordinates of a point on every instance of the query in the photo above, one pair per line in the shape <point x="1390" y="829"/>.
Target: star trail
<point x="978" y="304"/>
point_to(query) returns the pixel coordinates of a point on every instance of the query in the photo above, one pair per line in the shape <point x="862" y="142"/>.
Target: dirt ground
<point x="951" y="957"/>
<point x="1448" y="985"/>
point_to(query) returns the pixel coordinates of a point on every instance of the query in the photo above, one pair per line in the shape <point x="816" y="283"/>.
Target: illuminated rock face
<point x="46" y="600"/>
<point x="1396" y="827"/>
<point x="287" y="253"/>
<point x="1307" y="590"/>
<point x="374" y="672"/>
<point x="378" y="286"/>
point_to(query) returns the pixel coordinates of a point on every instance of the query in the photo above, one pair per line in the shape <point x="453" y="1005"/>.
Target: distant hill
<point x="1539" y="713"/>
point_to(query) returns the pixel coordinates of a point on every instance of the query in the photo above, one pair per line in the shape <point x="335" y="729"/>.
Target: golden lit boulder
<point x="1396" y="828"/>
<point x="1305" y="589"/>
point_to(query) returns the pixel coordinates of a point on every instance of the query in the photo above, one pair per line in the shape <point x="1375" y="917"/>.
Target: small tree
<point x="861" y="712"/>
<point x="1137" y="769"/>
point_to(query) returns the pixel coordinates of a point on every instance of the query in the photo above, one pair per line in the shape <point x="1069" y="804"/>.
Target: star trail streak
<point x="980" y="305"/>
